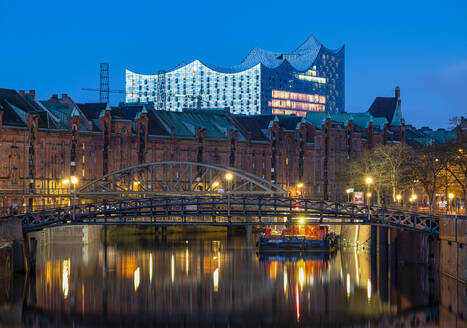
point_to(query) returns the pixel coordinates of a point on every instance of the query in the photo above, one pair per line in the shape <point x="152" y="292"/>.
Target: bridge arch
<point x="178" y="178"/>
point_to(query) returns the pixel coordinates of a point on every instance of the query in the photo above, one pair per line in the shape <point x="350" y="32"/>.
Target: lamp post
<point x="299" y="188"/>
<point x="368" y="181"/>
<point x="228" y="177"/>
<point x="74" y="181"/>
<point x="451" y="197"/>
<point x="399" y="197"/>
<point x="413" y="198"/>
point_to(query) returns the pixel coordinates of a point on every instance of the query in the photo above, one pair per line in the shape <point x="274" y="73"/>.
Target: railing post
<point x="244" y="206"/>
<point x="213" y="211"/>
<point x="182" y="210"/>
<point x="275" y="209"/>
<point x="152" y="212"/>
<point x="259" y="209"/>
<point x="321" y="211"/>
<point x="229" y="202"/>
<point x="166" y="207"/>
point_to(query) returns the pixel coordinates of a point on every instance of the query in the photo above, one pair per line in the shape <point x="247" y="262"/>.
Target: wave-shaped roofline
<point x="306" y="54"/>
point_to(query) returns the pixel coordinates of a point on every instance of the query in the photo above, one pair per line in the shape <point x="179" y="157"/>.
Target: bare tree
<point x="395" y="164"/>
<point x="427" y="168"/>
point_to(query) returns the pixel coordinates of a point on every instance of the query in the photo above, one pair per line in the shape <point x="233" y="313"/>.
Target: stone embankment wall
<point x="452" y="265"/>
<point x="11" y="247"/>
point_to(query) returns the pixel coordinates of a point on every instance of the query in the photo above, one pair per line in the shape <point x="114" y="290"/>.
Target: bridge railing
<point x="227" y="209"/>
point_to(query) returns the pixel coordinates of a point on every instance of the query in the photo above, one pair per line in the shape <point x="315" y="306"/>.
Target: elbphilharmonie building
<point x="310" y="78"/>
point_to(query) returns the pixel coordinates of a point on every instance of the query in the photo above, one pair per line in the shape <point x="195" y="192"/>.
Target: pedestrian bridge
<point x="192" y="193"/>
<point x="227" y="211"/>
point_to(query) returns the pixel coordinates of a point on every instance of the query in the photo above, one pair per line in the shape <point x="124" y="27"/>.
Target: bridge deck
<point x="227" y="210"/>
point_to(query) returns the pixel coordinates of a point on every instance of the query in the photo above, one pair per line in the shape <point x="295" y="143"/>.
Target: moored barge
<point x="298" y="238"/>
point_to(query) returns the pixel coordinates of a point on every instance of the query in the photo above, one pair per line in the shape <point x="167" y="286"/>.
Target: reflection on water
<point x="211" y="280"/>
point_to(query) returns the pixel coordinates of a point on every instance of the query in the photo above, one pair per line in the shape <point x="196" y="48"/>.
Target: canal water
<point x="88" y="277"/>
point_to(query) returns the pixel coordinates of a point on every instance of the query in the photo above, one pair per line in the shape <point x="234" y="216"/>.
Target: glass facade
<point x="309" y="79"/>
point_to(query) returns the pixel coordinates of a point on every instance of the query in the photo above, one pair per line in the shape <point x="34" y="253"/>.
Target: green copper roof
<point x="316" y="118"/>
<point x="397" y="119"/>
<point x="184" y="124"/>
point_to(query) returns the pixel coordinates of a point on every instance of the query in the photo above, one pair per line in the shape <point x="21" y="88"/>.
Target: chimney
<point x="54" y="98"/>
<point x="21" y="92"/>
<point x="32" y="93"/>
<point x="398" y="95"/>
<point x="65" y="96"/>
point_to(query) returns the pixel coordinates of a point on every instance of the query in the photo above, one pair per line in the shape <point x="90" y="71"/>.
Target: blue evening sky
<point x="56" y="46"/>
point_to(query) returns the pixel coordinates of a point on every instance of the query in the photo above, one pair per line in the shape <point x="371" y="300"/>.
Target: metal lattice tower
<point x="161" y="90"/>
<point x="104" y="87"/>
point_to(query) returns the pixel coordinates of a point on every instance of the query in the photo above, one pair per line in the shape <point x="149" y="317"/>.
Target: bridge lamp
<point x="398" y="197"/>
<point x="66" y="181"/>
<point x="368" y="180"/>
<point x="215" y="184"/>
<point x="368" y="194"/>
<point x="300" y="185"/>
<point x="74" y="180"/>
<point x="229" y="176"/>
<point x="451" y="196"/>
<point x="301" y="220"/>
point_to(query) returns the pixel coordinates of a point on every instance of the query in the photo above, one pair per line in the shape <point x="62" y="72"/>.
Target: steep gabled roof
<point x="383" y="107"/>
<point x="249" y="125"/>
<point x="184" y="124"/>
<point x="15" y="107"/>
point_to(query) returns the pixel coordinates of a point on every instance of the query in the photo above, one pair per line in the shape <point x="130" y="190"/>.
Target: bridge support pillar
<point x="248" y="231"/>
<point x="383" y="262"/>
<point x="374" y="254"/>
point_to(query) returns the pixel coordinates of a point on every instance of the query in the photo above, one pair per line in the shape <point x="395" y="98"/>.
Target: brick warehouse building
<point x="44" y="142"/>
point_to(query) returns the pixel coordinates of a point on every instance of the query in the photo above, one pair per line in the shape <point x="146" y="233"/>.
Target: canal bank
<point x="11" y="247"/>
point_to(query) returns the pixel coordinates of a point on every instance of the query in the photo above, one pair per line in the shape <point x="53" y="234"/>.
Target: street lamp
<point x="368" y="181"/>
<point x="298" y="189"/>
<point x="74" y="181"/>
<point x="228" y="177"/>
<point x="215" y="184"/>
<point x="450" y="196"/>
<point x="399" y="197"/>
<point x="348" y="191"/>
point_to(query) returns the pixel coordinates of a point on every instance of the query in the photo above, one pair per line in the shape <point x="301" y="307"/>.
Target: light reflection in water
<point x="150" y="267"/>
<point x="297" y="301"/>
<point x="285" y="279"/>
<point x="172" y="268"/>
<point x="348" y="285"/>
<point x="248" y="283"/>
<point x="136" y="279"/>
<point x="215" y="279"/>
<point x="48" y="273"/>
<point x="301" y="277"/>
<point x="65" y="277"/>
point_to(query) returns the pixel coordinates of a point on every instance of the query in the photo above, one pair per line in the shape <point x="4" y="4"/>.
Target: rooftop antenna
<point x="104" y="87"/>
